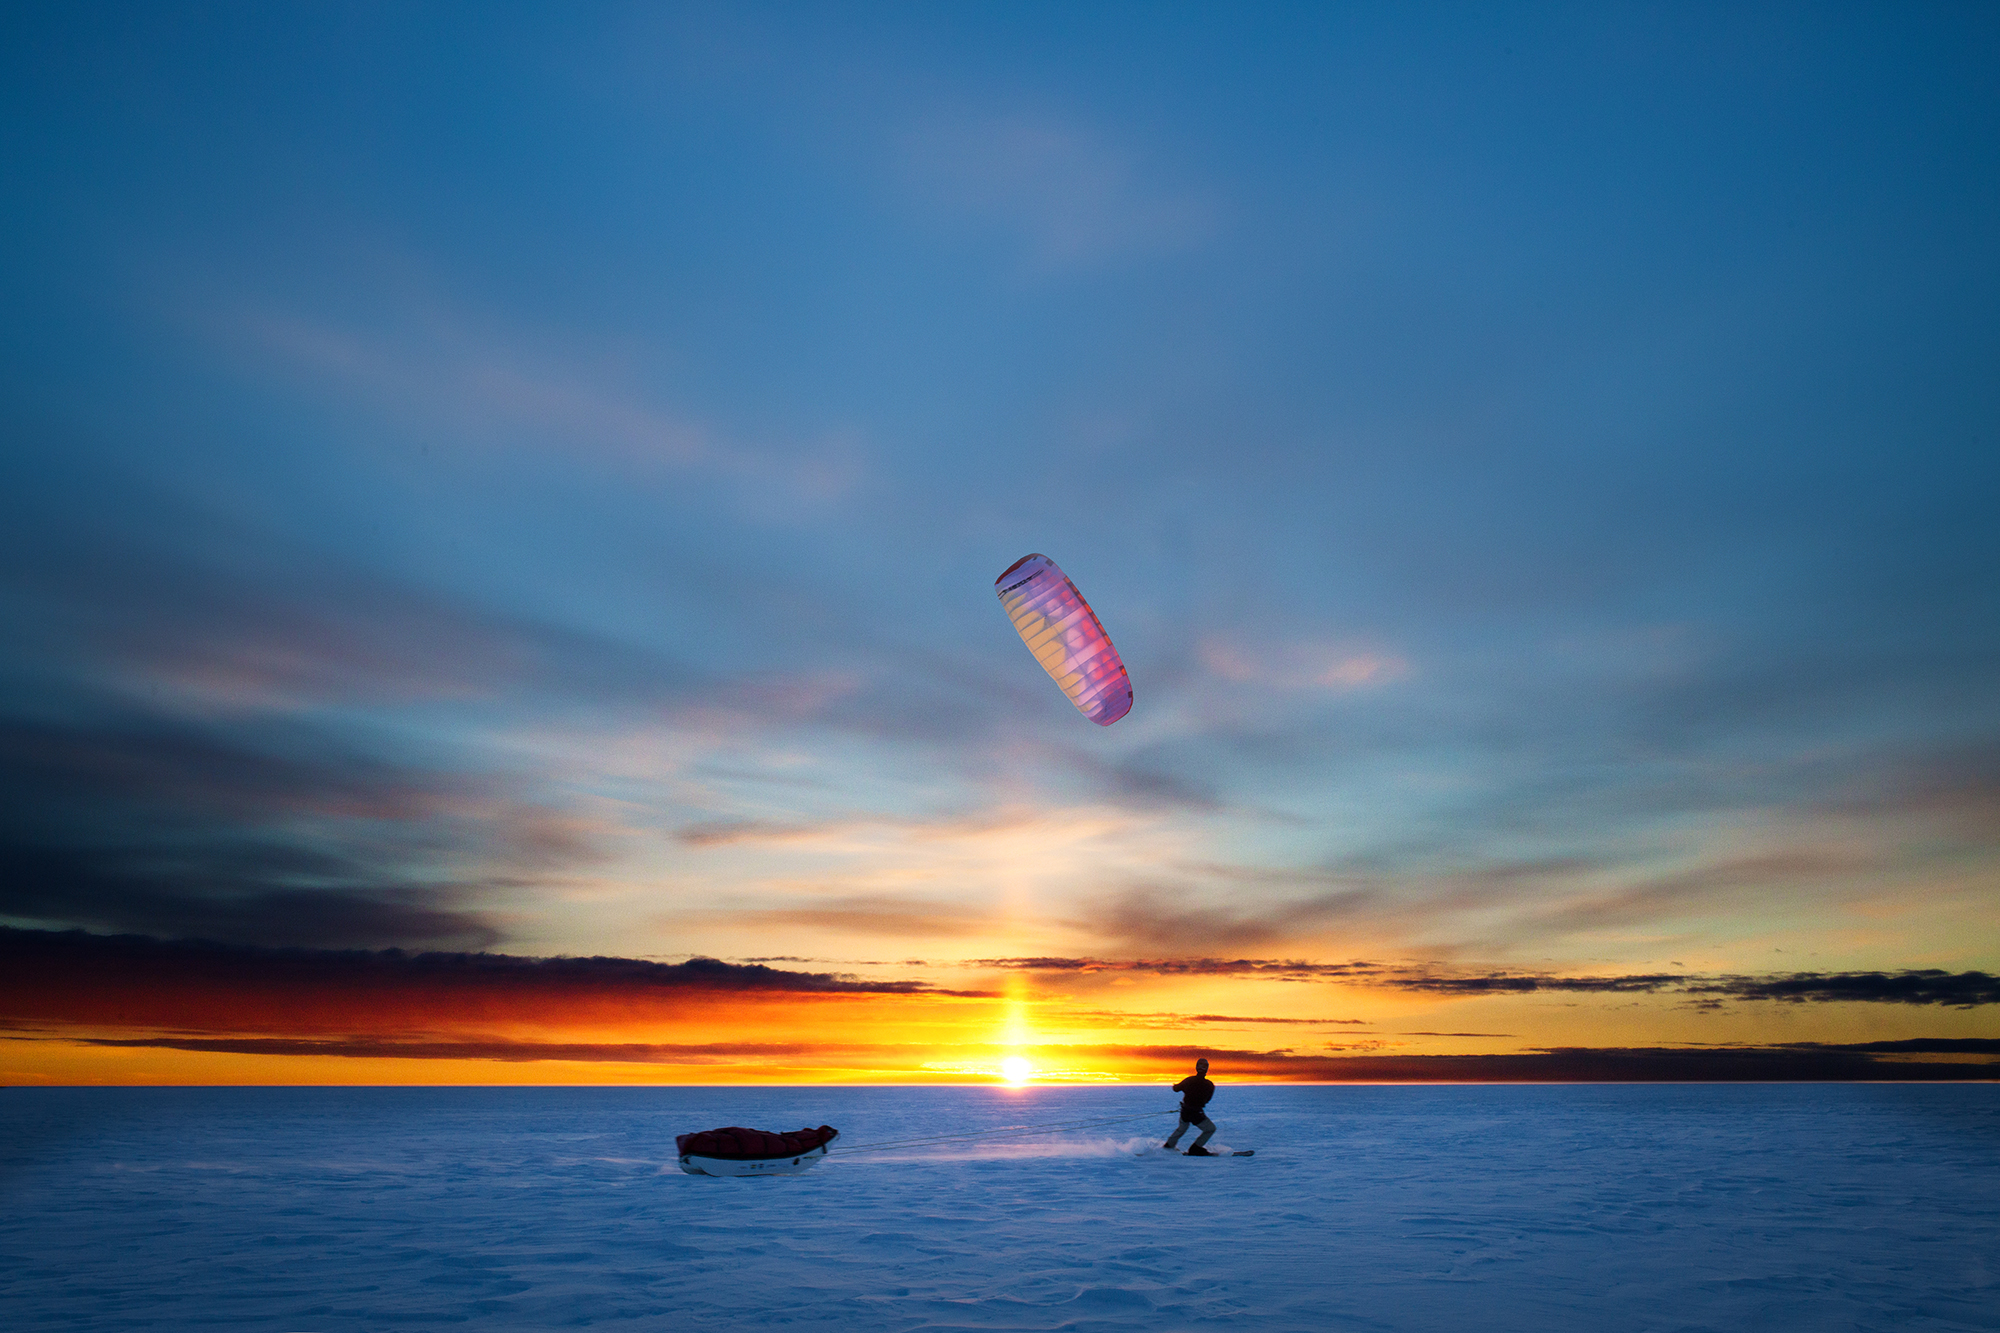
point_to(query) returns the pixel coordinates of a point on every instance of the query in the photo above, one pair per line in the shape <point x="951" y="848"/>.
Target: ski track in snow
<point x="1679" y="1207"/>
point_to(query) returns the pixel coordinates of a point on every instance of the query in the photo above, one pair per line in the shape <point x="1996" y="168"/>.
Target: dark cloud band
<point x="71" y="976"/>
<point x="1921" y="986"/>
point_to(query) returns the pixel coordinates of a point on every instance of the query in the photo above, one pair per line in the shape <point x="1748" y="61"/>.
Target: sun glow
<point x="1015" y="1069"/>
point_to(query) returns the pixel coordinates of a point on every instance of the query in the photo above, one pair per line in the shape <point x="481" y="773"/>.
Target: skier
<point x="1195" y="1093"/>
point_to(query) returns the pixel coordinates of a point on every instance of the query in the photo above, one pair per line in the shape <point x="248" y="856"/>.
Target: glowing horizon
<point x="95" y="1009"/>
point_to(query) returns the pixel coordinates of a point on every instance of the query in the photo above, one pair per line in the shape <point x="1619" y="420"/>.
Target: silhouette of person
<point x="1195" y="1093"/>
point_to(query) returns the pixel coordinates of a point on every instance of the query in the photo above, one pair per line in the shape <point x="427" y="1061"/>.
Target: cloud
<point x="124" y="756"/>
<point x="440" y="362"/>
<point x="451" y="375"/>
<point x="726" y="833"/>
<point x="1162" y="918"/>
<point x="1293" y="667"/>
<point x="1962" y="990"/>
<point x="1912" y="1046"/>
<point x="197" y="897"/>
<point x="1908" y="986"/>
<point x="1502" y="983"/>
<point x="200" y="987"/>
<point x="1957" y="787"/>
<point x="286" y="634"/>
<point x="228" y="736"/>
<point x="513" y="1052"/>
<point x="836" y="962"/>
<point x="1765" y="692"/>
<point x="80" y="954"/>
<point x="196" y="612"/>
<point x="129" y="821"/>
<point x="191" y="608"/>
<point x="259" y="829"/>
<point x="1236" y="1018"/>
<point x="943" y="875"/>
<point x="870" y="914"/>
<point x="1455" y="1034"/>
<point x="1721" y="881"/>
<point x="1070" y="195"/>
<point x="1172" y="1021"/>
<point x="1184" y="967"/>
<point x="947" y="826"/>
<point x="1151" y="789"/>
<point x="1685" y="832"/>
<point x="207" y="733"/>
<point x="134" y="992"/>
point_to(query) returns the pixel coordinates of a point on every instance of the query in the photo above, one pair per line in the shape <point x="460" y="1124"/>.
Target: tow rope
<point x="1004" y="1132"/>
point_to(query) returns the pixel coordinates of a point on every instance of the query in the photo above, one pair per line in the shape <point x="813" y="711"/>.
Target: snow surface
<point x="1487" y="1208"/>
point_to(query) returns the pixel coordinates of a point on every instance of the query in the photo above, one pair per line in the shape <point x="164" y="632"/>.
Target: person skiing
<point x="1195" y="1093"/>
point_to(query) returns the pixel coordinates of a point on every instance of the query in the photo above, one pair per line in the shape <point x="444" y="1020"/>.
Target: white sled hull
<point x="696" y="1165"/>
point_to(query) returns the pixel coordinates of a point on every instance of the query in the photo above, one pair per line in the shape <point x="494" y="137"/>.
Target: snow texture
<point x="1490" y="1208"/>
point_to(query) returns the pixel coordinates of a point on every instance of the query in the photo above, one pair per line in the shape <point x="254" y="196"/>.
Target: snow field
<point x="1496" y="1208"/>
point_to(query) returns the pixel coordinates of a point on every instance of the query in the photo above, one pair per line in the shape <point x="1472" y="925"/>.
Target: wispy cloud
<point x="466" y="380"/>
<point x="1185" y="967"/>
<point x="442" y="366"/>
<point x="1916" y="986"/>
<point x="881" y="915"/>
<point x="1072" y="194"/>
<point x="1160" y="918"/>
<point x="1168" y="1022"/>
<point x="846" y="830"/>
<point x="196" y="607"/>
<point x="1455" y="1034"/>
<point x="1295" y="666"/>
<point x="1717" y="882"/>
<point x="1955" y="787"/>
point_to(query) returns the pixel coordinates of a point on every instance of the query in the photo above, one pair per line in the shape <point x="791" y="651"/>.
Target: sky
<point x="499" y="507"/>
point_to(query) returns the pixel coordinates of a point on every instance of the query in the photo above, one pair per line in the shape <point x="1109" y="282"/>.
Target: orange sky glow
<point x="87" y="1010"/>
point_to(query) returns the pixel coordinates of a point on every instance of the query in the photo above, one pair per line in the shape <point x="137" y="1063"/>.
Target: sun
<point x="1015" y="1070"/>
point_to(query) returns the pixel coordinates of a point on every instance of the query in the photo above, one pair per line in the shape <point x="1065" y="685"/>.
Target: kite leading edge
<point x="1065" y="636"/>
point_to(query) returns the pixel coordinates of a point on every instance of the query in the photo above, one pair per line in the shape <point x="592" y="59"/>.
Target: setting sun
<point x="1015" y="1069"/>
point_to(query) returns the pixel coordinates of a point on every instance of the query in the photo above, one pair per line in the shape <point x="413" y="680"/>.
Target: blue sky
<point x="532" y="477"/>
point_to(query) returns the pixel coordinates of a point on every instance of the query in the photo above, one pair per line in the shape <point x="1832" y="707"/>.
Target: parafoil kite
<point x="1063" y="633"/>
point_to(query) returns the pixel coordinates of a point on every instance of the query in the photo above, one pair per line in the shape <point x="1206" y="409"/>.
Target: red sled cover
<point x="737" y="1144"/>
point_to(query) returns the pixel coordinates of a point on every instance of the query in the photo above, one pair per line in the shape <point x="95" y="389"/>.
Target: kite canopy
<point x="1063" y="633"/>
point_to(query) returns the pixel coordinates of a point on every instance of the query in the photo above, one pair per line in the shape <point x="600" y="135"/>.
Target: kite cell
<point x="1063" y="633"/>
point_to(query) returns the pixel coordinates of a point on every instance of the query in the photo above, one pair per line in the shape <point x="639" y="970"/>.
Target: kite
<point x="1063" y="633"/>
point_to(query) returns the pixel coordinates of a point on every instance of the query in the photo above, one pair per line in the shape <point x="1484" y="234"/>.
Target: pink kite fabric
<point x="1063" y="633"/>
